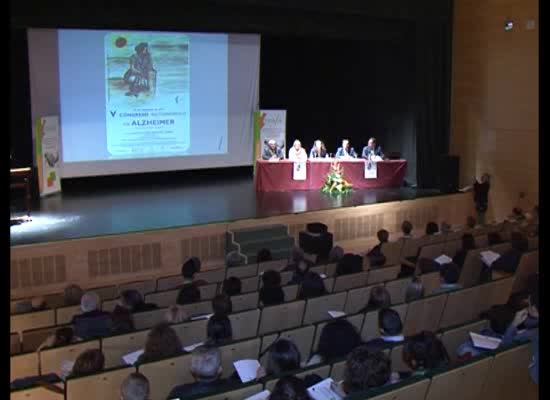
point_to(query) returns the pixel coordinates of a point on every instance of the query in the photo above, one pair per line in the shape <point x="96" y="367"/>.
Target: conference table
<point x="278" y="176"/>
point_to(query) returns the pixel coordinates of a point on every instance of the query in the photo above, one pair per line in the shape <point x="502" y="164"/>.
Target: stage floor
<point x="109" y="212"/>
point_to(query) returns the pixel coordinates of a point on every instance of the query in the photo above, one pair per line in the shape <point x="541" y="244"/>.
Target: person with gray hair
<point x="335" y="255"/>
<point x="233" y="259"/>
<point x="135" y="387"/>
<point x="206" y="368"/>
<point x="272" y="151"/>
<point x="93" y="322"/>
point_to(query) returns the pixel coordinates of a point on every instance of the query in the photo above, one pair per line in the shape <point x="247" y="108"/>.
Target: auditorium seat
<point x="464" y="382"/>
<point x="495" y="292"/>
<point x="170" y="282"/>
<point x="208" y="292"/>
<point x="166" y="374"/>
<point x="114" y="347"/>
<point x="15" y="344"/>
<point x="240" y="393"/>
<point x="317" y="308"/>
<point x="23" y="365"/>
<point x="533" y="243"/>
<point x="528" y="265"/>
<point x="508" y="377"/>
<point x="33" y="338"/>
<point x="424" y="314"/>
<point x="331" y="269"/>
<point x="338" y="370"/>
<point x="451" y="247"/>
<point x="191" y="332"/>
<point x="38" y="393"/>
<point x="247" y="349"/>
<point x="244" y="324"/>
<point x="432" y="251"/>
<point x="397" y="363"/>
<point x="144" y="287"/>
<point x="351" y="281"/>
<point x="454" y="337"/>
<point x="291" y="292"/>
<point x="110" y="305"/>
<point x="411" y="246"/>
<point x="302" y="338"/>
<point x="481" y="241"/>
<point x="397" y="289"/>
<point x="244" y="271"/>
<point x="104" y="386"/>
<point x="106" y="292"/>
<point x="211" y="276"/>
<point x="322" y="371"/>
<point x="320" y="269"/>
<point x="31" y="320"/>
<point x="64" y="315"/>
<point x="392" y="252"/>
<point x="250" y="284"/>
<point x="52" y="359"/>
<point x="276" y="265"/>
<point x="281" y="317"/>
<point x="430" y="281"/>
<point x="357" y="299"/>
<point x="462" y="306"/>
<point x="370" y="326"/>
<point x="329" y="284"/>
<point x="243" y="302"/>
<point x="383" y="274"/>
<point x="410" y="389"/>
<point x="469" y="274"/>
<point x="148" y="319"/>
<point x="163" y="299"/>
<point x="356" y="320"/>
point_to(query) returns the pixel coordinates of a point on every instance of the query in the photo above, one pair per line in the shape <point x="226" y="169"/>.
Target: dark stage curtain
<point x="433" y="100"/>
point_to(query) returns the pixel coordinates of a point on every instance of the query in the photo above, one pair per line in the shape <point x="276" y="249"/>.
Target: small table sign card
<point x="299" y="171"/>
<point x="370" y="170"/>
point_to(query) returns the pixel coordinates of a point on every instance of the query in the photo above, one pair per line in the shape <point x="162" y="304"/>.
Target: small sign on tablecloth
<point x="370" y="170"/>
<point x="299" y="171"/>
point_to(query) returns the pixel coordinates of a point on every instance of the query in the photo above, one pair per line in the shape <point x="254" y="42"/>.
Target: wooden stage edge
<point x="45" y="268"/>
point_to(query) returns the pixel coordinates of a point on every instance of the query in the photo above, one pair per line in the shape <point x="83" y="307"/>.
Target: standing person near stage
<point x="297" y="152"/>
<point x="480" y="190"/>
<point x="272" y="151"/>
<point x="346" y="151"/>
<point x="371" y="150"/>
<point x="318" y="150"/>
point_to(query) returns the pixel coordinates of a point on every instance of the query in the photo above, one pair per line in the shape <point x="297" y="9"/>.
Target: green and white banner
<point x="48" y="149"/>
<point x="269" y="124"/>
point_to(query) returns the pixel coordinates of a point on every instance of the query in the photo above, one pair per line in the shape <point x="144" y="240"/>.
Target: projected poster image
<point x="147" y="77"/>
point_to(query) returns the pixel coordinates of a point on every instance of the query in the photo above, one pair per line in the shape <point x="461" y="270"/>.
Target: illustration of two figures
<point x="141" y="75"/>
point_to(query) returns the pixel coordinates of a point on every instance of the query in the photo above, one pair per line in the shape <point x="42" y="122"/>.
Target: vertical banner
<point x="47" y="155"/>
<point x="269" y="124"/>
<point x="371" y="171"/>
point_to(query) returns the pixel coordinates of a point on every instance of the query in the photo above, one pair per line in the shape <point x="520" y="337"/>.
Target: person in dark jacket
<point x="391" y="331"/>
<point x="271" y="292"/>
<point x="481" y="197"/>
<point x="349" y="264"/>
<point x="93" y="322"/>
<point x="375" y="255"/>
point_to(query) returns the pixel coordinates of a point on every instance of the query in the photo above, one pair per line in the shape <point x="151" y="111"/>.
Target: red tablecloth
<point x="277" y="176"/>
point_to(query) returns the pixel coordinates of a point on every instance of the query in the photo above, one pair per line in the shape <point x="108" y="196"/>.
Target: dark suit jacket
<point x="375" y="256"/>
<point x="92" y="324"/>
<point x="268" y="153"/>
<point x="367" y="150"/>
<point x="340" y="152"/>
<point x="190" y="389"/>
<point x="508" y="262"/>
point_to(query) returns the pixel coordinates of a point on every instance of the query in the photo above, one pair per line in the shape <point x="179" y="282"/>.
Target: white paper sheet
<point x="131" y="358"/>
<point x="489" y="257"/>
<point x="443" y="259"/>
<point x="336" y="314"/>
<point x="192" y="347"/>
<point x="247" y="369"/>
<point x="323" y="391"/>
<point x="203" y="316"/>
<point x="485" y="342"/>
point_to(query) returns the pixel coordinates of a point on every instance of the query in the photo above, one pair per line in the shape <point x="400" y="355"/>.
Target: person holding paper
<point x="318" y="150"/>
<point x="424" y="352"/>
<point x="346" y="151"/>
<point x="272" y="151"/>
<point x="371" y="150"/>
<point x="365" y="370"/>
<point x="297" y="152"/>
<point x="450" y="274"/>
<point x="206" y="368"/>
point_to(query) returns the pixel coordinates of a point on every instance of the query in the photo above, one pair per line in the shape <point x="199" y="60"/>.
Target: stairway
<point x="249" y="241"/>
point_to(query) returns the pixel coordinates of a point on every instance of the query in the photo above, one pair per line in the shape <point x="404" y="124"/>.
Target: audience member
<point x="509" y="261"/>
<point x="312" y="286"/>
<point x="468" y="243"/>
<point x="93" y="322"/>
<point x="233" y="259"/>
<point x="189" y="293"/>
<point x="503" y="325"/>
<point x="406" y="228"/>
<point x="299" y="269"/>
<point x="415" y="290"/>
<point x="424" y="352"/>
<point x="391" y="331"/>
<point x="219" y="330"/>
<point x="135" y="387"/>
<point x="222" y="305"/>
<point x="349" y="264"/>
<point x="175" y="315"/>
<point x="162" y="342"/>
<point x="366" y="370"/>
<point x="132" y="300"/>
<point x="290" y="388"/>
<point x="264" y="255"/>
<point x="232" y="286"/>
<point x="450" y="274"/>
<point x="283" y="356"/>
<point x="88" y="362"/>
<point x="338" y="338"/>
<point x="190" y="268"/>
<point x="72" y="295"/>
<point x="206" y="368"/>
<point x="271" y="292"/>
<point x="379" y="298"/>
<point x="431" y="228"/>
<point x="375" y="256"/>
<point x="122" y="320"/>
<point x="335" y="255"/>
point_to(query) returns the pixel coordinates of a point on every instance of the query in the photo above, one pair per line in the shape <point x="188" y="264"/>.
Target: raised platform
<point x="106" y="237"/>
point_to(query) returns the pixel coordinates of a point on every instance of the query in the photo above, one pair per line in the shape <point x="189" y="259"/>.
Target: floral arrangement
<point x="335" y="183"/>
